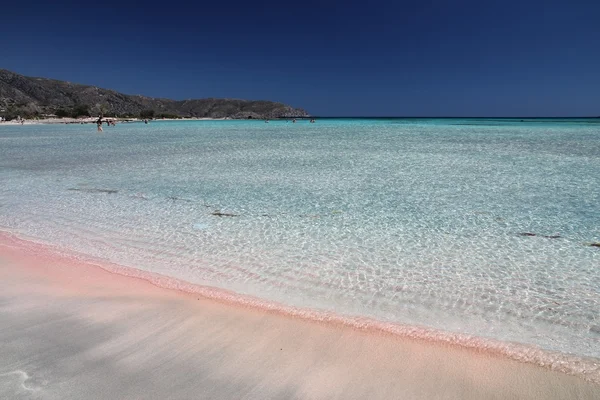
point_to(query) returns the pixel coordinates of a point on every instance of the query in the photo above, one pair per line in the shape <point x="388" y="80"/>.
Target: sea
<point x="485" y="228"/>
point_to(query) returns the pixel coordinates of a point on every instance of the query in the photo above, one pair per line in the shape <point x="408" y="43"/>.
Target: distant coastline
<point x="53" y="120"/>
<point x="31" y="98"/>
<point x="92" y="120"/>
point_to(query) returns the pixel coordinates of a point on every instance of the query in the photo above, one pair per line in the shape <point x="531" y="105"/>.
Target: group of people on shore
<point x="312" y="121"/>
<point x="109" y="122"/>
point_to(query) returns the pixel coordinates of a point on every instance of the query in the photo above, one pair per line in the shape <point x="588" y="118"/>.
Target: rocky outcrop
<point x="36" y="96"/>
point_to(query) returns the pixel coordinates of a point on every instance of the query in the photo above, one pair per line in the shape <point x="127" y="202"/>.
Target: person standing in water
<point x="99" y="124"/>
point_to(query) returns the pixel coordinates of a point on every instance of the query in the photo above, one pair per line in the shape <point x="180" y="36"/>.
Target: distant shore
<point x="92" y="120"/>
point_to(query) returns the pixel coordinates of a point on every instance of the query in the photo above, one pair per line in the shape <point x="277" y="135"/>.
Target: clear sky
<point x="368" y="58"/>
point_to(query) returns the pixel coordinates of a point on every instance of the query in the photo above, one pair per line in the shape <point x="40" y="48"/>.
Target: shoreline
<point x="92" y="120"/>
<point x="59" y="276"/>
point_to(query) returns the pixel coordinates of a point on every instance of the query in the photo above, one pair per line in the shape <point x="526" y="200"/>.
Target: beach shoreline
<point x="92" y="120"/>
<point x="254" y="353"/>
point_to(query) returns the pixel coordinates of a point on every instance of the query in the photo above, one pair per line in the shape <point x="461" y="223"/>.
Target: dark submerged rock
<point x="220" y="214"/>
<point x="544" y="236"/>
<point x="93" y="190"/>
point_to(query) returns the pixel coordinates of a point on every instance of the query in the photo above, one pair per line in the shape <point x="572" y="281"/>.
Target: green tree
<point x="61" y="113"/>
<point x="99" y="109"/>
<point x="149" y="114"/>
<point x="80" y="110"/>
<point x="167" y="115"/>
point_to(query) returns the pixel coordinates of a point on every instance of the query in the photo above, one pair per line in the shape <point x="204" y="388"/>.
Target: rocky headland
<point x="31" y="97"/>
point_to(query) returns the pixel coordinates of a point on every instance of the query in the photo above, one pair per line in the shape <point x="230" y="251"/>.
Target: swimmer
<point x="99" y="123"/>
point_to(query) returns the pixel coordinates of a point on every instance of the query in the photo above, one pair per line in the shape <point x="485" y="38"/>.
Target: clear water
<point x="404" y="220"/>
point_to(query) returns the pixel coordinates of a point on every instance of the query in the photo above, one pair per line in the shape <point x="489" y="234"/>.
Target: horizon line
<point x="455" y="117"/>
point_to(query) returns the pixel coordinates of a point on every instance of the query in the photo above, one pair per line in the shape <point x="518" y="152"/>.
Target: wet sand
<point x="69" y="329"/>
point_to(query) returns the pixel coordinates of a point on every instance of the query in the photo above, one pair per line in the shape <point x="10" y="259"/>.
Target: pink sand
<point x="69" y="329"/>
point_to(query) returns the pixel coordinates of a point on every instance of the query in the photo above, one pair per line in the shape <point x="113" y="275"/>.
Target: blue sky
<point x="370" y="58"/>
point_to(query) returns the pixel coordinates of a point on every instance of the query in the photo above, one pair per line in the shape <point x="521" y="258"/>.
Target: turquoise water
<point x="414" y="221"/>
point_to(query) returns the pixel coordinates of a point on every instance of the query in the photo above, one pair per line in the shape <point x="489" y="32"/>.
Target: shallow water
<point x="405" y="220"/>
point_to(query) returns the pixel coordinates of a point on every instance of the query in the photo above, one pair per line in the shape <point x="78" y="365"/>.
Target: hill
<point x="34" y="97"/>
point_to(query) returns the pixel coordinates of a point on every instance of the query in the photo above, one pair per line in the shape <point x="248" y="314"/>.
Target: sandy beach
<point x="54" y="121"/>
<point x="73" y="330"/>
<point x="92" y="120"/>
